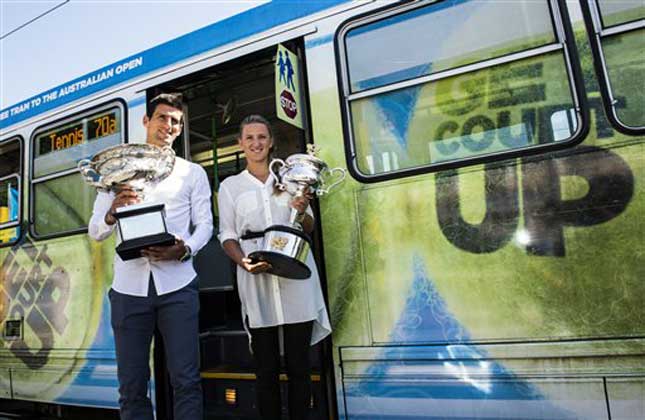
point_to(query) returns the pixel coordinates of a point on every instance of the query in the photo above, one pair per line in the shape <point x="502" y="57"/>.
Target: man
<point x="159" y="290"/>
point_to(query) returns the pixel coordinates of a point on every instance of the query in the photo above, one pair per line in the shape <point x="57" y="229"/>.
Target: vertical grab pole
<point x="215" y="169"/>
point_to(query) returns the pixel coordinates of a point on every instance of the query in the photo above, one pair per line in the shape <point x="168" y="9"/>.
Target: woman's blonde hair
<point x="255" y="119"/>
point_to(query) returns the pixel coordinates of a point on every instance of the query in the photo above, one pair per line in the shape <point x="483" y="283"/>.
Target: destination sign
<point x="102" y="125"/>
<point x="78" y="132"/>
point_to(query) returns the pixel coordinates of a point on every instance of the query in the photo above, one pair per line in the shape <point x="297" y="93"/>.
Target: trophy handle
<point x="275" y="175"/>
<point x="91" y="176"/>
<point x="340" y="179"/>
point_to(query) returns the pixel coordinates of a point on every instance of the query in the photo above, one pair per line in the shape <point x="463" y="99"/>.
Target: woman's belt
<point x="249" y="234"/>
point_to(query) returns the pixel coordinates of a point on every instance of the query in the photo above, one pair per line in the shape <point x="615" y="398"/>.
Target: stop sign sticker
<point x="288" y="104"/>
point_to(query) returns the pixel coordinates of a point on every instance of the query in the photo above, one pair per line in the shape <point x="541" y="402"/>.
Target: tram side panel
<point x="508" y="287"/>
<point x="64" y="353"/>
<point x="59" y="346"/>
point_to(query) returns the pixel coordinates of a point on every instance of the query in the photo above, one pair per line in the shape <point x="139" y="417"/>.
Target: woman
<point x="249" y="202"/>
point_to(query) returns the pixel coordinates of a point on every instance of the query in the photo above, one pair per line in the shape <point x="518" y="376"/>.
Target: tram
<point x="483" y="259"/>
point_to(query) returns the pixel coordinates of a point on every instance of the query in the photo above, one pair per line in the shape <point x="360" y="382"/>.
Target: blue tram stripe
<point x="234" y="28"/>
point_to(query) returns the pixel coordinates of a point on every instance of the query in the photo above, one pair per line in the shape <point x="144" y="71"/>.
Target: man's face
<point x="164" y="126"/>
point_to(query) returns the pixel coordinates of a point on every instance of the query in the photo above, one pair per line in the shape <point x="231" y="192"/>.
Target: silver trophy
<point x="140" y="167"/>
<point x="286" y="247"/>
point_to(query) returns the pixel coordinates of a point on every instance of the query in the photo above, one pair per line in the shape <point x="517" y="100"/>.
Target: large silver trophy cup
<point x="286" y="247"/>
<point x="139" y="167"/>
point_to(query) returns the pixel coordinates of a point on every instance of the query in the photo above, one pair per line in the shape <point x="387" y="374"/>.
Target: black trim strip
<point x="249" y="234"/>
<point x="139" y="210"/>
<point x="572" y="63"/>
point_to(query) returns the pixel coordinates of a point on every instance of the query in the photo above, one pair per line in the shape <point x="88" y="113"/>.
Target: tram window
<point x="445" y="36"/>
<point x="61" y="205"/>
<point x="462" y="82"/>
<point x="617" y="43"/>
<point x="10" y="191"/>
<point x="61" y="201"/>
<point x="616" y="12"/>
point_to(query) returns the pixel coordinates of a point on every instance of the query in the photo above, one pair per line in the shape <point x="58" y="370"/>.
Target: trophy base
<point x="131" y="248"/>
<point x="282" y="265"/>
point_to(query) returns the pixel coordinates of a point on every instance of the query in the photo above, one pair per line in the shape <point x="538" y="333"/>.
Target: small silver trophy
<point x="286" y="246"/>
<point x="139" y="167"/>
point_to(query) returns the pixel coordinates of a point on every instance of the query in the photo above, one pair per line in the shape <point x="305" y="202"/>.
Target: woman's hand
<point x="234" y="251"/>
<point x="300" y="203"/>
<point x="255" y="268"/>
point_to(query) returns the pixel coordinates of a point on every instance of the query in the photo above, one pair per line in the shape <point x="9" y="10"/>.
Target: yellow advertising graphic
<point x="288" y="101"/>
<point x="6" y="235"/>
<point x="55" y="307"/>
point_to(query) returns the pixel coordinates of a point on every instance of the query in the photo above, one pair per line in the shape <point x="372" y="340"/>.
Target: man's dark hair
<point x="174" y="100"/>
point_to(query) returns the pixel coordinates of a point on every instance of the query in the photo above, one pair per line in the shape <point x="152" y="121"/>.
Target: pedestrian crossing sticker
<point x="288" y="98"/>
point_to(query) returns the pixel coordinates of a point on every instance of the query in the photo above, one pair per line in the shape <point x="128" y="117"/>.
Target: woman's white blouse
<point x="247" y="204"/>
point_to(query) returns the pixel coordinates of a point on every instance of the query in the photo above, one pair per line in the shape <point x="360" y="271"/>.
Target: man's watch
<point x="187" y="254"/>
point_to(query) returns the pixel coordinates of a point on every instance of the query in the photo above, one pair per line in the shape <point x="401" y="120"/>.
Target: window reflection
<point x="512" y="106"/>
<point x="616" y="12"/>
<point x="62" y="204"/>
<point x="442" y="36"/>
<point x="625" y="61"/>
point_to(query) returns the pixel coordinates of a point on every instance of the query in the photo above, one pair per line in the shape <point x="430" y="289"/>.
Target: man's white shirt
<point x="186" y="194"/>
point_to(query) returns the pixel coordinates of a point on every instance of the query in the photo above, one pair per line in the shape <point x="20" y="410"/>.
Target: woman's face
<point x="256" y="142"/>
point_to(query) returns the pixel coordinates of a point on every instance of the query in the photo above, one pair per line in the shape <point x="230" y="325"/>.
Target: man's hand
<point x="255" y="268"/>
<point x="124" y="197"/>
<point x="165" y="253"/>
